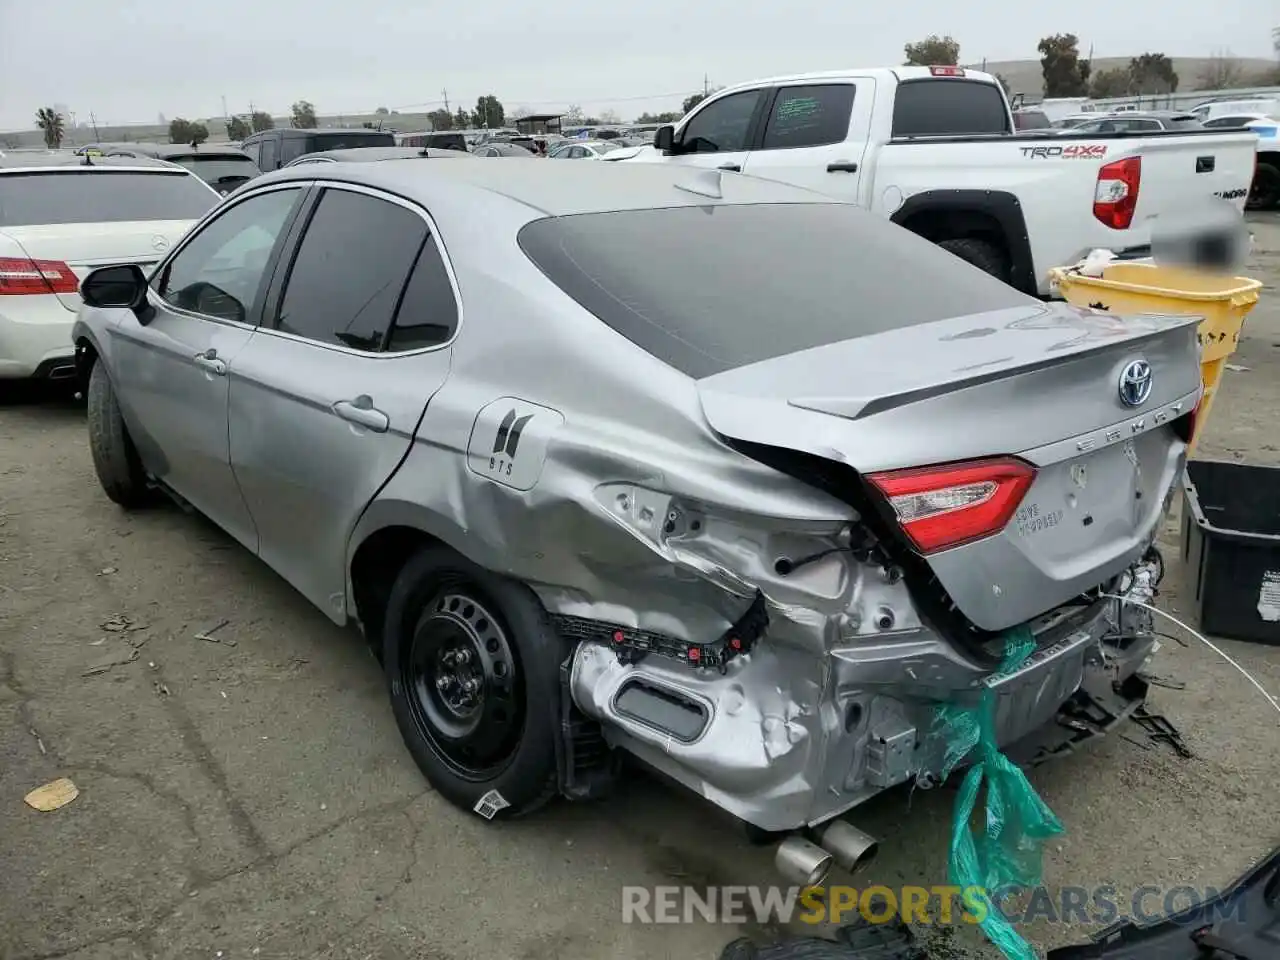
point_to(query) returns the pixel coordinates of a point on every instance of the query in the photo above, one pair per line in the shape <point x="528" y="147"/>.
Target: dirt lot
<point x="251" y="797"/>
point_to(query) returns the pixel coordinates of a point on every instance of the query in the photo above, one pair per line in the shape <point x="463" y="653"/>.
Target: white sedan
<point x="62" y="216"/>
<point x="583" y="150"/>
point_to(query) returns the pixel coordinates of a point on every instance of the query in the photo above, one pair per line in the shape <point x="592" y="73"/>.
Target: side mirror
<point x="665" y="138"/>
<point x="118" y="287"/>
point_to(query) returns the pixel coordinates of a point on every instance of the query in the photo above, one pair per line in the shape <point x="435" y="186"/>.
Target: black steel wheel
<point x="466" y="683"/>
<point x="473" y="664"/>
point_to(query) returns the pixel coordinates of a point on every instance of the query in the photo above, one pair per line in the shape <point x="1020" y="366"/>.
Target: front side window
<point x="350" y="270"/>
<point x="220" y="273"/>
<point x="721" y="126"/>
<point x="809" y="116"/>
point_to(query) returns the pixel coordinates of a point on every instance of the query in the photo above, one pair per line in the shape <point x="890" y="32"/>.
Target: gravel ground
<point x="251" y="797"/>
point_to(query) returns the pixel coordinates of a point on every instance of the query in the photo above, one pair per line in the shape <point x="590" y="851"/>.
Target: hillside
<point x="1024" y="76"/>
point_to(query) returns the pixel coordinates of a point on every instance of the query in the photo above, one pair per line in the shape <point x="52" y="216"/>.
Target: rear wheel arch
<point x="86" y="357"/>
<point x="375" y="563"/>
<point x="1265" y="189"/>
<point x="994" y="218"/>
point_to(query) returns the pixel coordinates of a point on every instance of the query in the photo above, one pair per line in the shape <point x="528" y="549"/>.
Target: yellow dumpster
<point x="1137" y="287"/>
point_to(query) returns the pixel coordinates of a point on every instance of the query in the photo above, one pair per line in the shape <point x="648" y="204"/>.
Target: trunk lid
<point x="1040" y="383"/>
<point x="86" y="246"/>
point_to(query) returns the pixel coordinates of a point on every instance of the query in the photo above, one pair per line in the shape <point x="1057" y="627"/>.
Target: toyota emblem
<point x="1135" y="383"/>
<point x="159" y="243"/>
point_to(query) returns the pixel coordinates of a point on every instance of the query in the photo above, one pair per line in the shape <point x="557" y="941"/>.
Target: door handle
<point x="362" y="412"/>
<point x="209" y="362"/>
<point x="735" y="167"/>
<point x="842" y="166"/>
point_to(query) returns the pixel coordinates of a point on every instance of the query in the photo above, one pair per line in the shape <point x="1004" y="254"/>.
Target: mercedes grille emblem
<point x="1135" y="383"/>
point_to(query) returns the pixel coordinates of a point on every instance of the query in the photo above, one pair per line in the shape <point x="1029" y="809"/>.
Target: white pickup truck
<point x="934" y="150"/>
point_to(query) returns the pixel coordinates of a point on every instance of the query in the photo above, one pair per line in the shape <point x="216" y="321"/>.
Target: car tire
<point x="115" y="459"/>
<point x="488" y="748"/>
<point x="1264" y="193"/>
<point x="981" y="253"/>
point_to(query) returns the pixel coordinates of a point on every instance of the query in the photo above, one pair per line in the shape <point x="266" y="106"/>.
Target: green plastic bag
<point x="1008" y="852"/>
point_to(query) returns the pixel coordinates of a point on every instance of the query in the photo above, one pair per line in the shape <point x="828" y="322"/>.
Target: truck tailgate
<point x="1178" y="169"/>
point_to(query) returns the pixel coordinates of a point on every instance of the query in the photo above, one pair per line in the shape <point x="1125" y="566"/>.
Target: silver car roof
<point x="558" y="189"/>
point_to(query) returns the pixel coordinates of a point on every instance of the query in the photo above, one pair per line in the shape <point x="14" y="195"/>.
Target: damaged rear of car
<point x="964" y="460"/>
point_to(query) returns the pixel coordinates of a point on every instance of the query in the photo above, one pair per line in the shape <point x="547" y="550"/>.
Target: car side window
<point x="291" y="148"/>
<point x="428" y="312"/>
<point x="221" y="271"/>
<point x="1227" y="122"/>
<point x="809" y="116"/>
<point x="350" y="270"/>
<point x="269" y="161"/>
<point x="721" y="126"/>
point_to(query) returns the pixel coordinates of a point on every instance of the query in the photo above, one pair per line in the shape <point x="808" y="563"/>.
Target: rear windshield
<point x="219" y="169"/>
<point x="711" y="288"/>
<point x="100" y="196"/>
<point x="1183" y="123"/>
<point x="948" y="107"/>
<point x="341" y="141"/>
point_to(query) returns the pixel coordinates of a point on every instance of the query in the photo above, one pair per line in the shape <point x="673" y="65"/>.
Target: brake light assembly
<point x="946" y="506"/>
<point x="946" y="71"/>
<point x="1115" y="196"/>
<point x="20" y="276"/>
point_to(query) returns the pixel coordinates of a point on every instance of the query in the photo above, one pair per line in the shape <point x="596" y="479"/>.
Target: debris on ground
<point x="106" y="571"/>
<point x="1161" y="730"/>
<point x="39" y="742"/>
<point x="1167" y="682"/>
<point x="1236" y="368"/>
<point x="208" y="634"/>
<point x="122" y="624"/>
<point x="51" y="796"/>
<point x="103" y="666"/>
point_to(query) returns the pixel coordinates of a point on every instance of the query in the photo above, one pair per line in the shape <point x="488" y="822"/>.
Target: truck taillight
<point x="19" y="276"/>
<point x="1115" y="197"/>
<point x="949" y="505"/>
<point x="945" y="71"/>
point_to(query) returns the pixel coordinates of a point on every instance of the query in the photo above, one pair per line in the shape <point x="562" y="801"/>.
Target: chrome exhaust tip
<point x="802" y="863"/>
<point x="848" y="846"/>
<point x="63" y="371"/>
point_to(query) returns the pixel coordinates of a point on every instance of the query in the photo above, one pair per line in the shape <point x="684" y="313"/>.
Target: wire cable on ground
<point x="1273" y="701"/>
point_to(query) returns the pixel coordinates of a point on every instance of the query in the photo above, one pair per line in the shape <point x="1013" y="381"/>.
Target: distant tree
<point x="671" y="116"/>
<point x="303" y="115"/>
<point x="199" y="133"/>
<point x="1004" y="84"/>
<point x="261" y="120"/>
<point x="179" y="130"/>
<point x="1153" y="73"/>
<point x="573" y="114"/>
<point x="610" y="116"/>
<point x="519" y="113"/>
<point x="461" y="119"/>
<point x="693" y="100"/>
<point x="488" y="112"/>
<point x="932" y="51"/>
<point x="1269" y="77"/>
<point x="52" y="124"/>
<point x="369" y="125"/>
<point x="1065" y="74"/>
<point x="1222" y="72"/>
<point x="1114" y="82"/>
<point x="440" y="120"/>
<point x="238" y="128"/>
<point x="382" y="111"/>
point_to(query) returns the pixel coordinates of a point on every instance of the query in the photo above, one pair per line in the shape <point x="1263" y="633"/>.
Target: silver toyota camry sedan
<point x="620" y="459"/>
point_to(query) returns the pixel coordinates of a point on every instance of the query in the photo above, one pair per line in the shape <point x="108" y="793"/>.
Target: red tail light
<point x="19" y="276"/>
<point x="947" y="71"/>
<point x="1115" y="196"/>
<point x="945" y="506"/>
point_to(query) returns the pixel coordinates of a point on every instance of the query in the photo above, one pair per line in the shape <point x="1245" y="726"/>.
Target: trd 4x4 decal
<point x="509" y="441"/>
<point x="1074" y="151"/>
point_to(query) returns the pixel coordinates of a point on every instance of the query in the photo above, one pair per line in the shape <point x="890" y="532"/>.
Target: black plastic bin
<point x="1231" y="548"/>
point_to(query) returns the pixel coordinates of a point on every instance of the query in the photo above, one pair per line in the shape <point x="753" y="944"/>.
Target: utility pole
<point x="445" y="94"/>
<point x="224" y="108"/>
<point x="94" y="121"/>
<point x="706" y="86"/>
